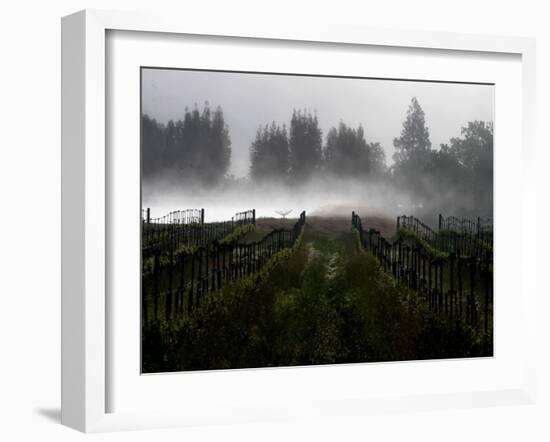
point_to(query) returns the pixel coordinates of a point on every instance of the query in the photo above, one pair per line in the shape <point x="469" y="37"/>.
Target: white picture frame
<point x="85" y="205"/>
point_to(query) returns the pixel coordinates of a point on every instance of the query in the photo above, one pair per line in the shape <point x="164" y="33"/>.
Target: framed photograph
<point x="270" y="223"/>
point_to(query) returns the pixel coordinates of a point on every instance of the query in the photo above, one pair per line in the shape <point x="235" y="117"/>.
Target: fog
<point x="249" y="101"/>
<point x="320" y="197"/>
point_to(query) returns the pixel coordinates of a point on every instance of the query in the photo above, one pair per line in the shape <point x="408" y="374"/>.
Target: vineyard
<point x="186" y="230"/>
<point x="189" y="260"/>
<point x="251" y="292"/>
<point x="450" y="270"/>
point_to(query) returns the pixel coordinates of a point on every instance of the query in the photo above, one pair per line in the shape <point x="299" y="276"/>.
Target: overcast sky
<point x="251" y="100"/>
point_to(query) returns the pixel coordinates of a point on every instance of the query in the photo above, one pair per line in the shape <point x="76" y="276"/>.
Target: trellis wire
<point x="187" y="229"/>
<point x="178" y="283"/>
<point x="454" y="235"/>
<point x="455" y="285"/>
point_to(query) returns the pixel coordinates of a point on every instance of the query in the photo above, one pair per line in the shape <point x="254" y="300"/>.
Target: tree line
<point x="459" y="175"/>
<point x="198" y="148"/>
<point x="299" y="153"/>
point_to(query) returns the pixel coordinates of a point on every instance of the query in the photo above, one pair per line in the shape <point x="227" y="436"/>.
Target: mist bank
<point x="185" y="165"/>
<point x="328" y="196"/>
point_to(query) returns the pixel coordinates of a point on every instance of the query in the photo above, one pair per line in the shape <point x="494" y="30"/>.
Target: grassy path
<point x="327" y="248"/>
<point x="336" y="305"/>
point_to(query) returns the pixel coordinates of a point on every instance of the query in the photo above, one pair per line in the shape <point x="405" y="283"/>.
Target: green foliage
<point x="437" y="336"/>
<point x="484" y="246"/>
<point x="238" y="233"/>
<point x="413" y="239"/>
<point x="167" y="258"/>
<point x="321" y="302"/>
<point x="222" y="325"/>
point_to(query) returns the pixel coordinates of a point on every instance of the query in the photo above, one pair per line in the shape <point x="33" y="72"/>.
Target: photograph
<point x="296" y="220"/>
